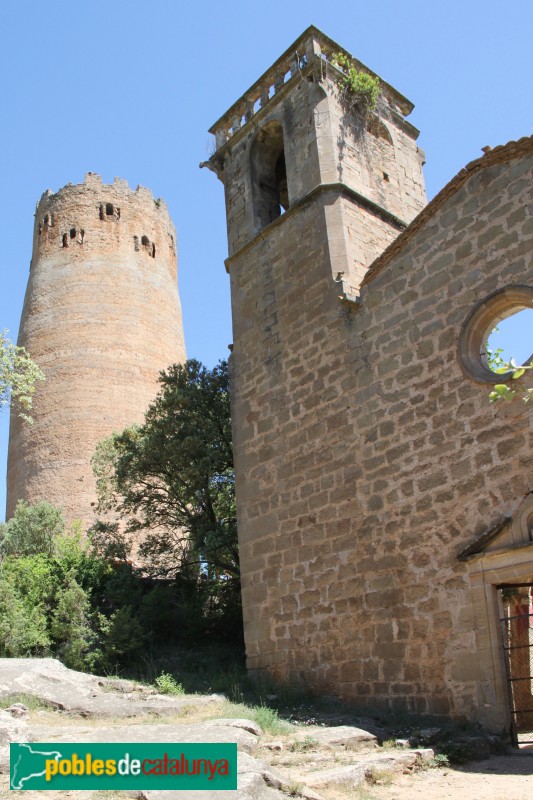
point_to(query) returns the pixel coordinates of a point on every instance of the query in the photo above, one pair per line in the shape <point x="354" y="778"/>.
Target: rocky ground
<point x="324" y="760"/>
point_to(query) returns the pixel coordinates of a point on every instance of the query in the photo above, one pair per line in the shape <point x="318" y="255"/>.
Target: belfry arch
<point x="270" y="195"/>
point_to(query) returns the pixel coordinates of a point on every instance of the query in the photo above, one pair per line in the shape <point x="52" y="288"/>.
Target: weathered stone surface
<point x="356" y="773"/>
<point x="11" y="730"/>
<point x="344" y="736"/>
<point x="87" y="695"/>
<point x="156" y="732"/>
<point x="367" y="459"/>
<point x="256" y="781"/>
<point x="245" y="724"/>
<point x="274" y="746"/>
<point x="17" y="710"/>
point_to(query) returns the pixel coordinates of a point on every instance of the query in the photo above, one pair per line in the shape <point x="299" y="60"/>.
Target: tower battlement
<point x="93" y="216"/>
<point x="92" y="180"/>
<point x="297" y="135"/>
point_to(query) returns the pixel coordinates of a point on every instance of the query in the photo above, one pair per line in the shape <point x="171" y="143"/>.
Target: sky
<point x="130" y="89"/>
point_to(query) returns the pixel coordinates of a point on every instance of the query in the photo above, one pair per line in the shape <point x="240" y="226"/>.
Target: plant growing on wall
<point x="361" y="88"/>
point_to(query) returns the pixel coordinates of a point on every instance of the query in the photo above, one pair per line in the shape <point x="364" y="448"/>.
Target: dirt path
<point x="507" y="777"/>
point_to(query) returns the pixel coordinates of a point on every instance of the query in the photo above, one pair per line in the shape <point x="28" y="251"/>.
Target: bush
<point x="69" y="625"/>
<point x="31" y="530"/>
<point x="361" y="87"/>
<point x="122" y="637"/>
<point x="168" y="685"/>
<point x="93" y="612"/>
<point x="48" y="578"/>
<point x="267" y="718"/>
<point x="23" y="632"/>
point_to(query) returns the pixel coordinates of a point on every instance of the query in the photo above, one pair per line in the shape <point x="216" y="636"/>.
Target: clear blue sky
<point x="130" y="89"/>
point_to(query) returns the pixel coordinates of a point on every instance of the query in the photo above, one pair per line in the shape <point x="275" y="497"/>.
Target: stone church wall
<point x="372" y="473"/>
<point x="368" y="459"/>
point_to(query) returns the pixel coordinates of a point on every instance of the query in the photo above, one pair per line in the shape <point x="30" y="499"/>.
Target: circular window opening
<point x="509" y="310"/>
<point x="510" y="340"/>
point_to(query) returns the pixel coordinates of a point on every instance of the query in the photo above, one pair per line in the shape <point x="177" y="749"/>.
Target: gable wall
<point x="366" y="460"/>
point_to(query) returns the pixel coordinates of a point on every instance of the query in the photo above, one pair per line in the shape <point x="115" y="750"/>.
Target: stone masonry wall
<point x="376" y="155"/>
<point x="322" y="147"/>
<point x="367" y="459"/>
<point x="101" y="317"/>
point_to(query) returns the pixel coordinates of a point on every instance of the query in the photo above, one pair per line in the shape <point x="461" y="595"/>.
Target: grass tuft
<point x="31" y="702"/>
<point x="268" y="718"/>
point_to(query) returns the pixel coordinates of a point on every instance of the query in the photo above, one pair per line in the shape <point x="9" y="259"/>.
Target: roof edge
<point x="498" y="155"/>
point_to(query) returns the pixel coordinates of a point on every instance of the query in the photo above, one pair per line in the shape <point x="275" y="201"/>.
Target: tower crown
<point x="312" y="52"/>
<point x="303" y="129"/>
<point x="92" y="217"/>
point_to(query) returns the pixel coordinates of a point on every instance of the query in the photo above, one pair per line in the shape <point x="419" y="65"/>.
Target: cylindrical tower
<point x="101" y="318"/>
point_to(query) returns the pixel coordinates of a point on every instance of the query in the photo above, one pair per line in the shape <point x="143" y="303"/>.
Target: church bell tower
<point x="321" y="173"/>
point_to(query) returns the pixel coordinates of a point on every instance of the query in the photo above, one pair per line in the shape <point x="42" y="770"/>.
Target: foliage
<point x="31" y="702"/>
<point x="18" y="377"/>
<point x="22" y="630"/>
<point x="268" y="718"/>
<point x="172" y="478"/>
<point x="294" y="788"/>
<point x="49" y="580"/>
<point x="502" y="391"/>
<point x="309" y="743"/>
<point x="31" y="530"/>
<point x="70" y="627"/>
<point x="361" y="87"/>
<point x="440" y="760"/>
<point x="92" y="612"/>
<point x="376" y="776"/>
<point x="123" y="637"/>
<point x="494" y="357"/>
<point x="168" y="685"/>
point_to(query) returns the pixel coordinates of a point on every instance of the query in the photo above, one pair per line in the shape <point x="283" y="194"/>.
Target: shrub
<point x="70" y="626"/>
<point x="22" y="631"/>
<point x="267" y="718"/>
<point x="31" y="530"/>
<point x="122" y="639"/>
<point x="168" y="685"/>
<point x="361" y="87"/>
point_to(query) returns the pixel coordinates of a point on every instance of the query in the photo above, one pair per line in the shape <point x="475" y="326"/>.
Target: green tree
<point x="123" y="637"/>
<point x="44" y="608"/>
<point x="173" y="477"/>
<point x="32" y="530"/>
<point x="23" y="631"/>
<point x="70" y="623"/>
<point x="18" y="377"/>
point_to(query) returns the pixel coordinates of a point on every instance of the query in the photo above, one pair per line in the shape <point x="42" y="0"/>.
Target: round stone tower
<point x="102" y="318"/>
